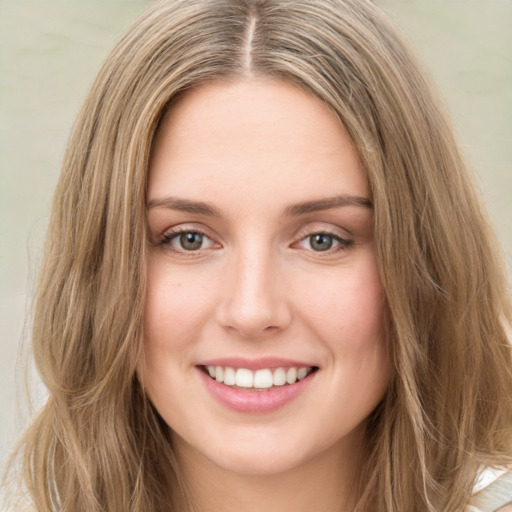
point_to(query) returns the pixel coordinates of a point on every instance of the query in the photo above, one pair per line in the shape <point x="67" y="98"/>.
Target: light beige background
<point x="50" y="51"/>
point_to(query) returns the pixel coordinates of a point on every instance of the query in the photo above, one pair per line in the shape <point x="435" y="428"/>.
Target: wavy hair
<point x="98" y="444"/>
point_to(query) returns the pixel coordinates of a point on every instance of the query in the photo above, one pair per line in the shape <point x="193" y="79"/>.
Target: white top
<point x="492" y="491"/>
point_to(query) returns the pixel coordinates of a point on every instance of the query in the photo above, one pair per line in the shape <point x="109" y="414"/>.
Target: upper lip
<point x="255" y="364"/>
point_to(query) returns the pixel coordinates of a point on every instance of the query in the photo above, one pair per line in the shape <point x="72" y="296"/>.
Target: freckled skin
<point x="257" y="287"/>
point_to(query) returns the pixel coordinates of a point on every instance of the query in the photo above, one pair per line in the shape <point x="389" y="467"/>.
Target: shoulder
<point x="492" y="491"/>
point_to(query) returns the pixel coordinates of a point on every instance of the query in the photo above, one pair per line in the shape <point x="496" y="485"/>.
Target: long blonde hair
<point x="98" y="444"/>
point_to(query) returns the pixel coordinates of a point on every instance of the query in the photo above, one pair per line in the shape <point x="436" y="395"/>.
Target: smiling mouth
<point x="264" y="379"/>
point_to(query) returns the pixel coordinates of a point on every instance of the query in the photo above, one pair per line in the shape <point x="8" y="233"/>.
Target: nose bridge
<point x="254" y="303"/>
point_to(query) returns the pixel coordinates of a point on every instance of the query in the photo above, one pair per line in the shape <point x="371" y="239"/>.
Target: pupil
<point x="321" y="242"/>
<point x="191" y="241"/>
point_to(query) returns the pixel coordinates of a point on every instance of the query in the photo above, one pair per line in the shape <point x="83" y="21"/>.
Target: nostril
<point x="253" y="302"/>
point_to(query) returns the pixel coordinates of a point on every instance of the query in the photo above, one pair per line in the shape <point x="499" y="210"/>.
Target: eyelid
<point x="340" y="243"/>
<point x="312" y="228"/>
<point x="344" y="242"/>
<point x="165" y="239"/>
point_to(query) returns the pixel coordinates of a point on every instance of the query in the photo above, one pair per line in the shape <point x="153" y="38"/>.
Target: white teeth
<point x="259" y="379"/>
<point x="279" y="377"/>
<point x="244" y="378"/>
<point x="301" y="373"/>
<point x="291" y="375"/>
<point x="229" y="376"/>
<point x="263" y="379"/>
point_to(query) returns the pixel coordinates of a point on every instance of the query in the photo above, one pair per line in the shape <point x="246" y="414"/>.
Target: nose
<point x="255" y="302"/>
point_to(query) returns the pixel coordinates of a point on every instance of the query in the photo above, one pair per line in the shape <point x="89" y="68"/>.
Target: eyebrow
<point x="327" y="204"/>
<point x="186" y="205"/>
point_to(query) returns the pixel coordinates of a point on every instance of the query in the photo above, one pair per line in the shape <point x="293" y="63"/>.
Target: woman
<point x="268" y="282"/>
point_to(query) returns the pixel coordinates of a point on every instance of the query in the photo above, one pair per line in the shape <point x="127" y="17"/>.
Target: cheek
<point x="347" y="306"/>
<point x="176" y="304"/>
<point x="175" y="311"/>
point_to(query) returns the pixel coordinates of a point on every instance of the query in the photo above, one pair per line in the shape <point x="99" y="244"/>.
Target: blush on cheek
<point x="348" y="309"/>
<point x="173" y="313"/>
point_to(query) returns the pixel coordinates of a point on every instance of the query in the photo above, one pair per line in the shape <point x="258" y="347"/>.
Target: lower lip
<point x="255" y="401"/>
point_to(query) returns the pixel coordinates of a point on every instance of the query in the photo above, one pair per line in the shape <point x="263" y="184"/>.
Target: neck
<point x="324" y="483"/>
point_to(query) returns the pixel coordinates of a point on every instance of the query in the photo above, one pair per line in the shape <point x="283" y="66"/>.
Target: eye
<point x="323" y="242"/>
<point x="320" y="242"/>
<point x="186" y="241"/>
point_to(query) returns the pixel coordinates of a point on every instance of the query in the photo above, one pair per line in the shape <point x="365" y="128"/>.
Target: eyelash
<point x="168" y="238"/>
<point x="343" y="244"/>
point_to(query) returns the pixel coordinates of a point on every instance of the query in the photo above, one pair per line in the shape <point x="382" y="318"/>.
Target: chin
<point x="271" y="463"/>
<point x="246" y="453"/>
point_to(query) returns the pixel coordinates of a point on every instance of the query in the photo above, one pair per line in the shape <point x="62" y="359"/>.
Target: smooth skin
<point x="239" y="266"/>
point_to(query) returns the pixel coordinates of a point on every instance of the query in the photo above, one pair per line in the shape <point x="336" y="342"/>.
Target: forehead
<point x="260" y="140"/>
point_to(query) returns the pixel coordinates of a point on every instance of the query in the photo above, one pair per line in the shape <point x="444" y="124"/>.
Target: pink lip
<point x="255" y="401"/>
<point x="255" y="364"/>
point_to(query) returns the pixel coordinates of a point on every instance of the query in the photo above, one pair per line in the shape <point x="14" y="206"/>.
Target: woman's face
<point x="261" y="269"/>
